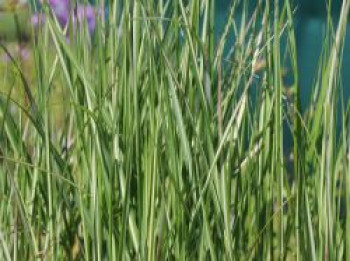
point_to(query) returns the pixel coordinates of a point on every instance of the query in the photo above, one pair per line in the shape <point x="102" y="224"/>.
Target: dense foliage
<point x="149" y="138"/>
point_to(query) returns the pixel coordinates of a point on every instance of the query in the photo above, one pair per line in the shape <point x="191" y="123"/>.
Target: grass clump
<point x="168" y="142"/>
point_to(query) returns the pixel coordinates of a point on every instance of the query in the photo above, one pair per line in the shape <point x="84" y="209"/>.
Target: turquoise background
<point x="310" y="25"/>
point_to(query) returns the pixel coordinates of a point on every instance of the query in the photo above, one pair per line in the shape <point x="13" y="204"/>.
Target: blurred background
<point x="310" y="24"/>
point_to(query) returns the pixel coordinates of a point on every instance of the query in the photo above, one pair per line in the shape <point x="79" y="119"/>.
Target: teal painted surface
<point x="310" y="24"/>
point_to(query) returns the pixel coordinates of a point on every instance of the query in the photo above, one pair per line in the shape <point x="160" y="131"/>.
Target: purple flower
<point x="37" y="19"/>
<point x="61" y="10"/>
<point x="20" y="52"/>
<point x="86" y="12"/>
